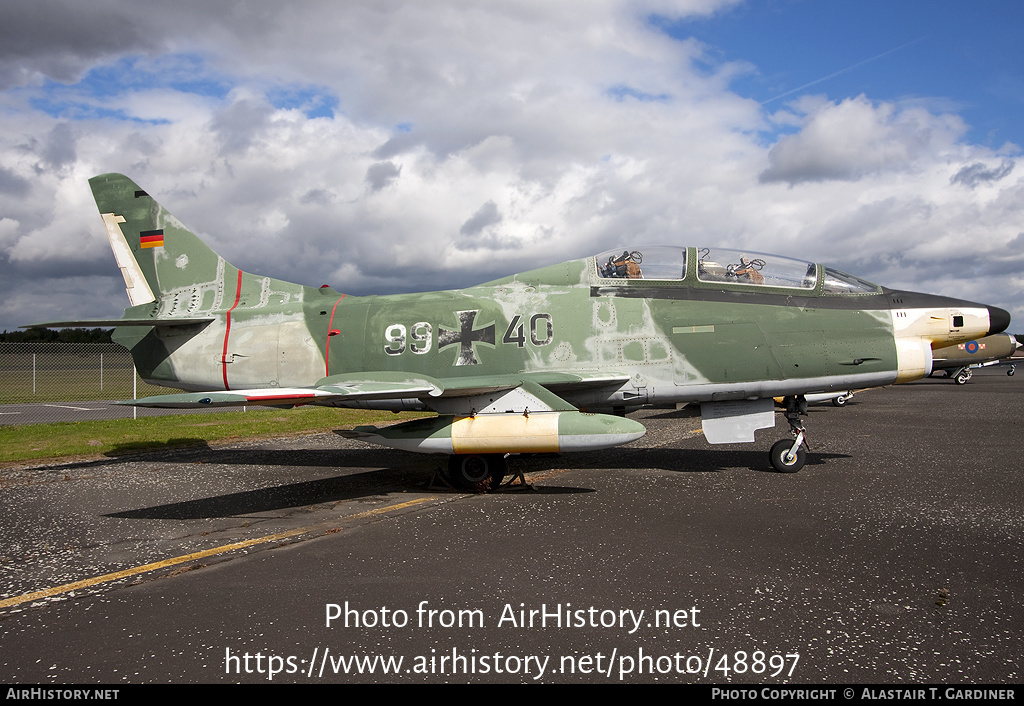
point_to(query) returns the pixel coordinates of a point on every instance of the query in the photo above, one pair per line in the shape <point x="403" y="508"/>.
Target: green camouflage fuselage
<point x="675" y="341"/>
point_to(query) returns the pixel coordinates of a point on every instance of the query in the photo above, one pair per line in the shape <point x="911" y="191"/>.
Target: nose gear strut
<point x="789" y="456"/>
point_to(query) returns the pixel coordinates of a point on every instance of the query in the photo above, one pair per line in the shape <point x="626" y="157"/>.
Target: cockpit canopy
<point x="659" y="262"/>
<point x="715" y="265"/>
<point x="718" y="265"/>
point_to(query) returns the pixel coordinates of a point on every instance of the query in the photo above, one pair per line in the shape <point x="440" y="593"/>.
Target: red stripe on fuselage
<point x="227" y="330"/>
<point x="327" y="345"/>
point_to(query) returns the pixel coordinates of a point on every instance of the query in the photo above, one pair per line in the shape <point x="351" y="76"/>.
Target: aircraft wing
<point x="336" y="391"/>
<point x="449" y="395"/>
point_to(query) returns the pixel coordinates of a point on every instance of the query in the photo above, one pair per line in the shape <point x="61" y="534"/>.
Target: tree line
<point x="64" y="335"/>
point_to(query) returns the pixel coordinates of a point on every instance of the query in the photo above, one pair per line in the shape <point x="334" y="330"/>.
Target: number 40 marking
<point x="541" y="330"/>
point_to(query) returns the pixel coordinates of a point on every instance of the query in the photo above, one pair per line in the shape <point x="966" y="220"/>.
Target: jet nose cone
<point x="998" y="319"/>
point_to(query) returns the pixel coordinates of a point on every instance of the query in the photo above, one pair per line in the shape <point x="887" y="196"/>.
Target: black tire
<point x="476" y="473"/>
<point x="778" y="456"/>
<point x="1011" y="371"/>
<point x="962" y="378"/>
<point x="839" y="401"/>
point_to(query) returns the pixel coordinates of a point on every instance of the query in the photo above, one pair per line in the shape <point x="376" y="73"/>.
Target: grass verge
<point x="63" y="439"/>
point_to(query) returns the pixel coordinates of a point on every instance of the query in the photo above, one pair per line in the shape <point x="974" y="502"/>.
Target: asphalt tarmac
<point x="894" y="556"/>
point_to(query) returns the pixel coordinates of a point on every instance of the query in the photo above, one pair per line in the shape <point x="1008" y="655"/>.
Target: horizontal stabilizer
<point x="107" y="323"/>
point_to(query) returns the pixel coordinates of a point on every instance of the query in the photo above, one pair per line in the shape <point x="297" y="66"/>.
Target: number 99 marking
<point x="422" y="334"/>
<point x="396" y="337"/>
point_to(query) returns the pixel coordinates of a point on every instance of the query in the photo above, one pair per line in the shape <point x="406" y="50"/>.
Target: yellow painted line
<point x="389" y="508"/>
<point x="85" y="583"/>
<point x="56" y="590"/>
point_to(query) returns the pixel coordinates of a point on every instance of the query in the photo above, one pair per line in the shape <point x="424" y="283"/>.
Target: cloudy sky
<point x="384" y="146"/>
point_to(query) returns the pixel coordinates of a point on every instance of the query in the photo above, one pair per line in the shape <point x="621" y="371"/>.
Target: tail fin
<point x="160" y="259"/>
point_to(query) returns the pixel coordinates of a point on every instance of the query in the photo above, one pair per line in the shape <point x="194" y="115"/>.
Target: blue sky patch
<point x="621" y="93"/>
<point x="88" y="99"/>
<point x="71" y="109"/>
<point x="940" y="53"/>
<point x="314" y="101"/>
<point x="185" y="73"/>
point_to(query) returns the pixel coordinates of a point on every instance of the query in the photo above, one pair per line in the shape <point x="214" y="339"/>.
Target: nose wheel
<point x="962" y="376"/>
<point x="842" y="399"/>
<point x="789" y="456"/>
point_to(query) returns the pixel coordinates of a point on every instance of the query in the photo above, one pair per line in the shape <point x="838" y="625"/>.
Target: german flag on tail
<point x="151" y="239"/>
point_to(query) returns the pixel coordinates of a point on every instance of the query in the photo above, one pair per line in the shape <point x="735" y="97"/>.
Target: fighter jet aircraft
<point x="959" y="361"/>
<point x="546" y="360"/>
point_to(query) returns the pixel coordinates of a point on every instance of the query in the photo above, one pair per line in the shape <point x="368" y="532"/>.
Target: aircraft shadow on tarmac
<point x="135" y="447"/>
<point x="695" y="460"/>
<point x="283" y="497"/>
<point x="316" y="492"/>
<point x="407" y="472"/>
<point x="326" y="458"/>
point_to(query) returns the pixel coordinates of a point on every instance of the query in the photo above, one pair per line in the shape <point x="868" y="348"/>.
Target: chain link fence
<point x="60" y="382"/>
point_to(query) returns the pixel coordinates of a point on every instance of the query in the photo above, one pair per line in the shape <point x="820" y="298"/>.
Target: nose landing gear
<point x="789" y="456"/>
<point x="962" y="375"/>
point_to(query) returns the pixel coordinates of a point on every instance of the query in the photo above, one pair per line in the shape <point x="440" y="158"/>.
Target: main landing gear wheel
<point x="963" y="377"/>
<point x="781" y="461"/>
<point x="476" y="473"/>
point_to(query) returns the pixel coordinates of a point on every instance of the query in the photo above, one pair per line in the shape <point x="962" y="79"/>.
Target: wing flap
<point x="382" y="385"/>
<point x="577" y="379"/>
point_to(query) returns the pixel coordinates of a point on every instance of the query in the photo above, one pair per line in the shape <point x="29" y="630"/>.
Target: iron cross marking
<point x="465" y="337"/>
